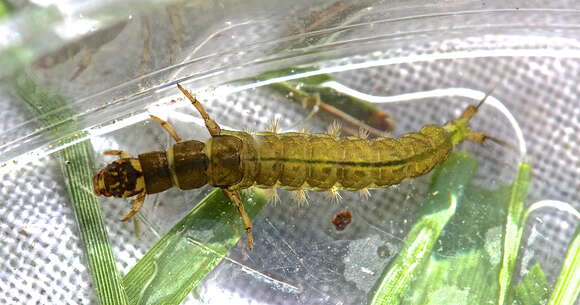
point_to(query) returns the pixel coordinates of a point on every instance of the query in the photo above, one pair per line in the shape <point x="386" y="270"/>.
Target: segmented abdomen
<point x="321" y="162"/>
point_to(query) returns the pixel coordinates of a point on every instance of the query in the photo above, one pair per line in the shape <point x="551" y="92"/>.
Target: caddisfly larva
<point x="236" y="160"/>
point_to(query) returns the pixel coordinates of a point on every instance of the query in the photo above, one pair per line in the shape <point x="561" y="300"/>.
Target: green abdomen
<point x="321" y="162"/>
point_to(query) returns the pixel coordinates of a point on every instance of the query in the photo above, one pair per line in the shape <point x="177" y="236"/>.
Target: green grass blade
<point x="189" y="251"/>
<point x="464" y="268"/>
<point x="513" y="230"/>
<point x="567" y="286"/>
<point x="464" y="278"/>
<point x="77" y="166"/>
<point x="446" y="191"/>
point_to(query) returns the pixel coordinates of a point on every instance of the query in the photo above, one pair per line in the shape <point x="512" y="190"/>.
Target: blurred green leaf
<point x="333" y="105"/>
<point x="465" y="265"/>
<point x="534" y="288"/>
<point x="4" y="9"/>
<point x="567" y="288"/>
<point x="514" y="227"/>
<point x="182" y="258"/>
<point x="445" y="193"/>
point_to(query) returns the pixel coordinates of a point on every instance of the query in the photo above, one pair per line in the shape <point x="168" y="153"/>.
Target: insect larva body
<point x="318" y="162"/>
<point x="235" y="160"/>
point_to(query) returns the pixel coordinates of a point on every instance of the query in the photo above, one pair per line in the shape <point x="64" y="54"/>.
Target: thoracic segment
<point x="322" y="162"/>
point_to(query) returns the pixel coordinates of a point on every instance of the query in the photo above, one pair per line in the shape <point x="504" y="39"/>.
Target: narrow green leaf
<point x="513" y="230"/>
<point x="446" y="192"/>
<point x="180" y="260"/>
<point x="464" y="267"/>
<point x="464" y="278"/>
<point x="77" y="166"/>
<point x="567" y="286"/>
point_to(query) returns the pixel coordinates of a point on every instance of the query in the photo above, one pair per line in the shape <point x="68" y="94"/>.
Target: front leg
<point x="136" y="204"/>
<point x="119" y="153"/>
<point x="170" y="130"/>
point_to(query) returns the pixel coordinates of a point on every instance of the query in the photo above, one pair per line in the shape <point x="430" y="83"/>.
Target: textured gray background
<point x="42" y="260"/>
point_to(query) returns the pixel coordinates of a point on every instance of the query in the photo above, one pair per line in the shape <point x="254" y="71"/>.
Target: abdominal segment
<point x="323" y="162"/>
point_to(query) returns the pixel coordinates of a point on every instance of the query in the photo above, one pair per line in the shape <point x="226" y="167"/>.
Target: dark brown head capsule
<point x="121" y="178"/>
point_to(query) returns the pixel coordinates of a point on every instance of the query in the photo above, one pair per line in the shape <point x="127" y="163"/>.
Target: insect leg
<point x="211" y="125"/>
<point x="167" y="128"/>
<point x="471" y="110"/>
<point x="174" y="13"/>
<point x="312" y="101"/>
<point x="136" y="204"/>
<point x="146" y="56"/>
<point x="85" y="62"/>
<point x="237" y="200"/>
<point x="476" y="137"/>
<point x="120" y="153"/>
<point x="479" y="137"/>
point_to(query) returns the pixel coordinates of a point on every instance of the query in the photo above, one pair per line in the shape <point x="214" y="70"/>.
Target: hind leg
<point x="236" y="199"/>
